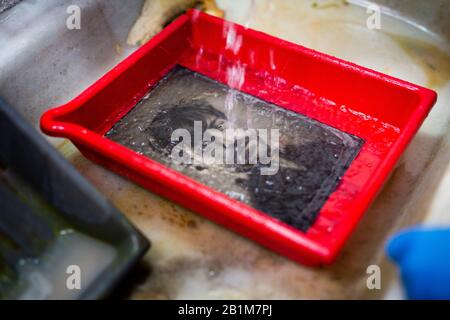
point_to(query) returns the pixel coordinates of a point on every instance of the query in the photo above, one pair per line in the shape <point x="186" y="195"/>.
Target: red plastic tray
<point x="384" y="111"/>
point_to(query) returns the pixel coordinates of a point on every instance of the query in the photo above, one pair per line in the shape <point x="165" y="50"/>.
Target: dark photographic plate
<point x="312" y="157"/>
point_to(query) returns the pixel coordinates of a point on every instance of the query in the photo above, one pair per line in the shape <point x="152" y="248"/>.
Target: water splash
<point x="233" y="39"/>
<point x="235" y="79"/>
<point x="236" y="75"/>
<point x="236" y="71"/>
<point x="272" y="60"/>
<point x="199" y="56"/>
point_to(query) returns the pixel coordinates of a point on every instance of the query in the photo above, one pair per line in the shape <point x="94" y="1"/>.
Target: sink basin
<point x="48" y="65"/>
<point x="43" y="63"/>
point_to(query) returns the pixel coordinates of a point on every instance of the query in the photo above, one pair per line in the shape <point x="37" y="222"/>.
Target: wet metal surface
<point x="192" y="257"/>
<point x="44" y="64"/>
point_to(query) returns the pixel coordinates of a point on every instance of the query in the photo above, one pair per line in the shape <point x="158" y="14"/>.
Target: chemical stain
<point x="326" y="4"/>
<point x="148" y="207"/>
<point x="433" y="60"/>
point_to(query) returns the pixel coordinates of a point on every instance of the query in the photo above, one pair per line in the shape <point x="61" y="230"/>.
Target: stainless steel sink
<point x="44" y="64"/>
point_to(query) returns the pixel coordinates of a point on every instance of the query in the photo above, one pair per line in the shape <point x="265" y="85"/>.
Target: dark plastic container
<point x="71" y="204"/>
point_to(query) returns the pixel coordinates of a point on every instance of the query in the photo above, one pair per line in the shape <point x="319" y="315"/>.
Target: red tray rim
<point x="313" y="252"/>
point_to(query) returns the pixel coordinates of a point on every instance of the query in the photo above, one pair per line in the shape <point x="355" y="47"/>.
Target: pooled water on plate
<point x="312" y="156"/>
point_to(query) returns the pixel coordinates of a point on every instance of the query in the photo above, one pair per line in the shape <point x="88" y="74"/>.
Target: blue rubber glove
<point x="423" y="257"/>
